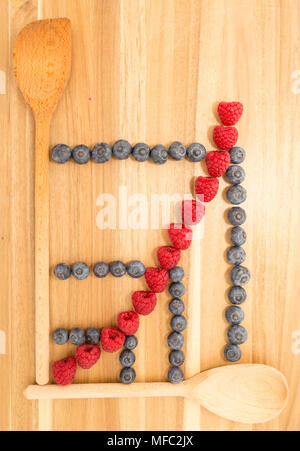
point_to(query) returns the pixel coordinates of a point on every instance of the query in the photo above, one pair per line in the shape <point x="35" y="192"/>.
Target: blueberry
<point x="77" y="336"/>
<point x="175" y="340"/>
<point x="177" y="289"/>
<point x="159" y="154"/>
<point x="62" y="271"/>
<point x="177" y="150"/>
<point x="236" y="216"/>
<point x="238" y="236"/>
<point x="60" y="336"/>
<point x="234" y="315"/>
<point x="122" y="149"/>
<point x="196" y="152"/>
<point x="176" y="306"/>
<point x="176" y="358"/>
<point x="92" y="335"/>
<point x="235" y="174"/>
<point x="117" y="269"/>
<point x="101" y="269"/>
<point x="175" y="375"/>
<point x="237" y="295"/>
<point x="237" y="335"/>
<point x="136" y="269"/>
<point x="176" y="274"/>
<point x="131" y="342"/>
<point x="101" y="153"/>
<point x="178" y="323"/>
<point x="81" y="154"/>
<point x="236" y="255"/>
<point x="61" y="153"/>
<point x="127" y="375"/>
<point x="236" y="194"/>
<point x="127" y="358"/>
<point x="141" y="152"/>
<point x="232" y="353"/>
<point x="80" y="270"/>
<point x="237" y="155"/>
<point x="240" y="275"/>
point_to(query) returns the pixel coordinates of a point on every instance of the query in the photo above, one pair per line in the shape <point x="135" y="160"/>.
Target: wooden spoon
<point x="42" y="63"/>
<point x="243" y="393"/>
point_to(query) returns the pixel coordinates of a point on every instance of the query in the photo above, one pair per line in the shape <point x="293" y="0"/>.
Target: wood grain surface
<point x="154" y="71"/>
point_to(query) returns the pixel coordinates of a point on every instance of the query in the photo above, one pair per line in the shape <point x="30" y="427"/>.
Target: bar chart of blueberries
<point x="173" y="214"/>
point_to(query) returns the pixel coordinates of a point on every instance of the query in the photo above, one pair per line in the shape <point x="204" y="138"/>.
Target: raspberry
<point x="230" y="112"/>
<point x="225" y="137"/>
<point x="87" y="355"/>
<point x="217" y="162"/>
<point x="64" y="371"/>
<point x="157" y="279"/>
<point x="206" y="188"/>
<point x="144" y="302"/>
<point x="112" y="339"/>
<point x="181" y="236"/>
<point x="128" y="322"/>
<point x="168" y="256"/>
<point x="192" y="212"/>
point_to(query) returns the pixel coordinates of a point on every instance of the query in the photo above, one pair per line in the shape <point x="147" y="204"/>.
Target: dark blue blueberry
<point x="240" y="275"/>
<point x="176" y="274"/>
<point x="92" y="335"/>
<point x="177" y="289"/>
<point x="61" y="153"/>
<point x="80" y="270"/>
<point x="236" y="255"/>
<point x="101" y="153"/>
<point x="175" y="375"/>
<point x="77" y="336"/>
<point x="81" y="154"/>
<point x="235" y="174"/>
<point x="122" y="149"/>
<point x="60" y="336"/>
<point x="159" y="154"/>
<point x="127" y="376"/>
<point x="117" y="269"/>
<point x="131" y="342"/>
<point x="236" y="216"/>
<point x="176" y="306"/>
<point x="177" y="150"/>
<point x="136" y="269"/>
<point x="237" y="155"/>
<point x="101" y="269"/>
<point x="127" y="358"/>
<point x="237" y="335"/>
<point x="176" y="358"/>
<point x="232" y="353"/>
<point x="141" y="152"/>
<point x="234" y="315"/>
<point x="175" y="340"/>
<point x="236" y="194"/>
<point x="62" y="271"/>
<point x="196" y="152"/>
<point x="238" y="236"/>
<point x="178" y="323"/>
<point x="237" y="295"/>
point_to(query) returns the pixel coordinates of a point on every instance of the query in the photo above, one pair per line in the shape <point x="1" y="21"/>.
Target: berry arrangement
<point x="168" y="275"/>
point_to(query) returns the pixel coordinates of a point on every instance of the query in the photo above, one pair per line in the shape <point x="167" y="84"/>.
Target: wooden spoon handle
<point x="42" y="250"/>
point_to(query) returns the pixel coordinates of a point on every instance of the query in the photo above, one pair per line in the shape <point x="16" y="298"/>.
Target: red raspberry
<point x="112" y="339"/>
<point x="64" y="371"/>
<point x="181" y="236"/>
<point x="225" y="137"/>
<point x="192" y="212"/>
<point x="206" y="188"/>
<point x="230" y="112"/>
<point x="144" y="302"/>
<point x="168" y="256"/>
<point x="87" y="355"/>
<point x="128" y="322"/>
<point x="217" y="162"/>
<point x="157" y="279"/>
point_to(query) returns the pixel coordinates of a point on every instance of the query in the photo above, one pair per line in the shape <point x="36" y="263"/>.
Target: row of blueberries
<point x="81" y="271"/>
<point x="121" y="150"/>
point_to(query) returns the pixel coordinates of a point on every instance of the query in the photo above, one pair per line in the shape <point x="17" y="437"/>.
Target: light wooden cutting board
<point x="154" y="71"/>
